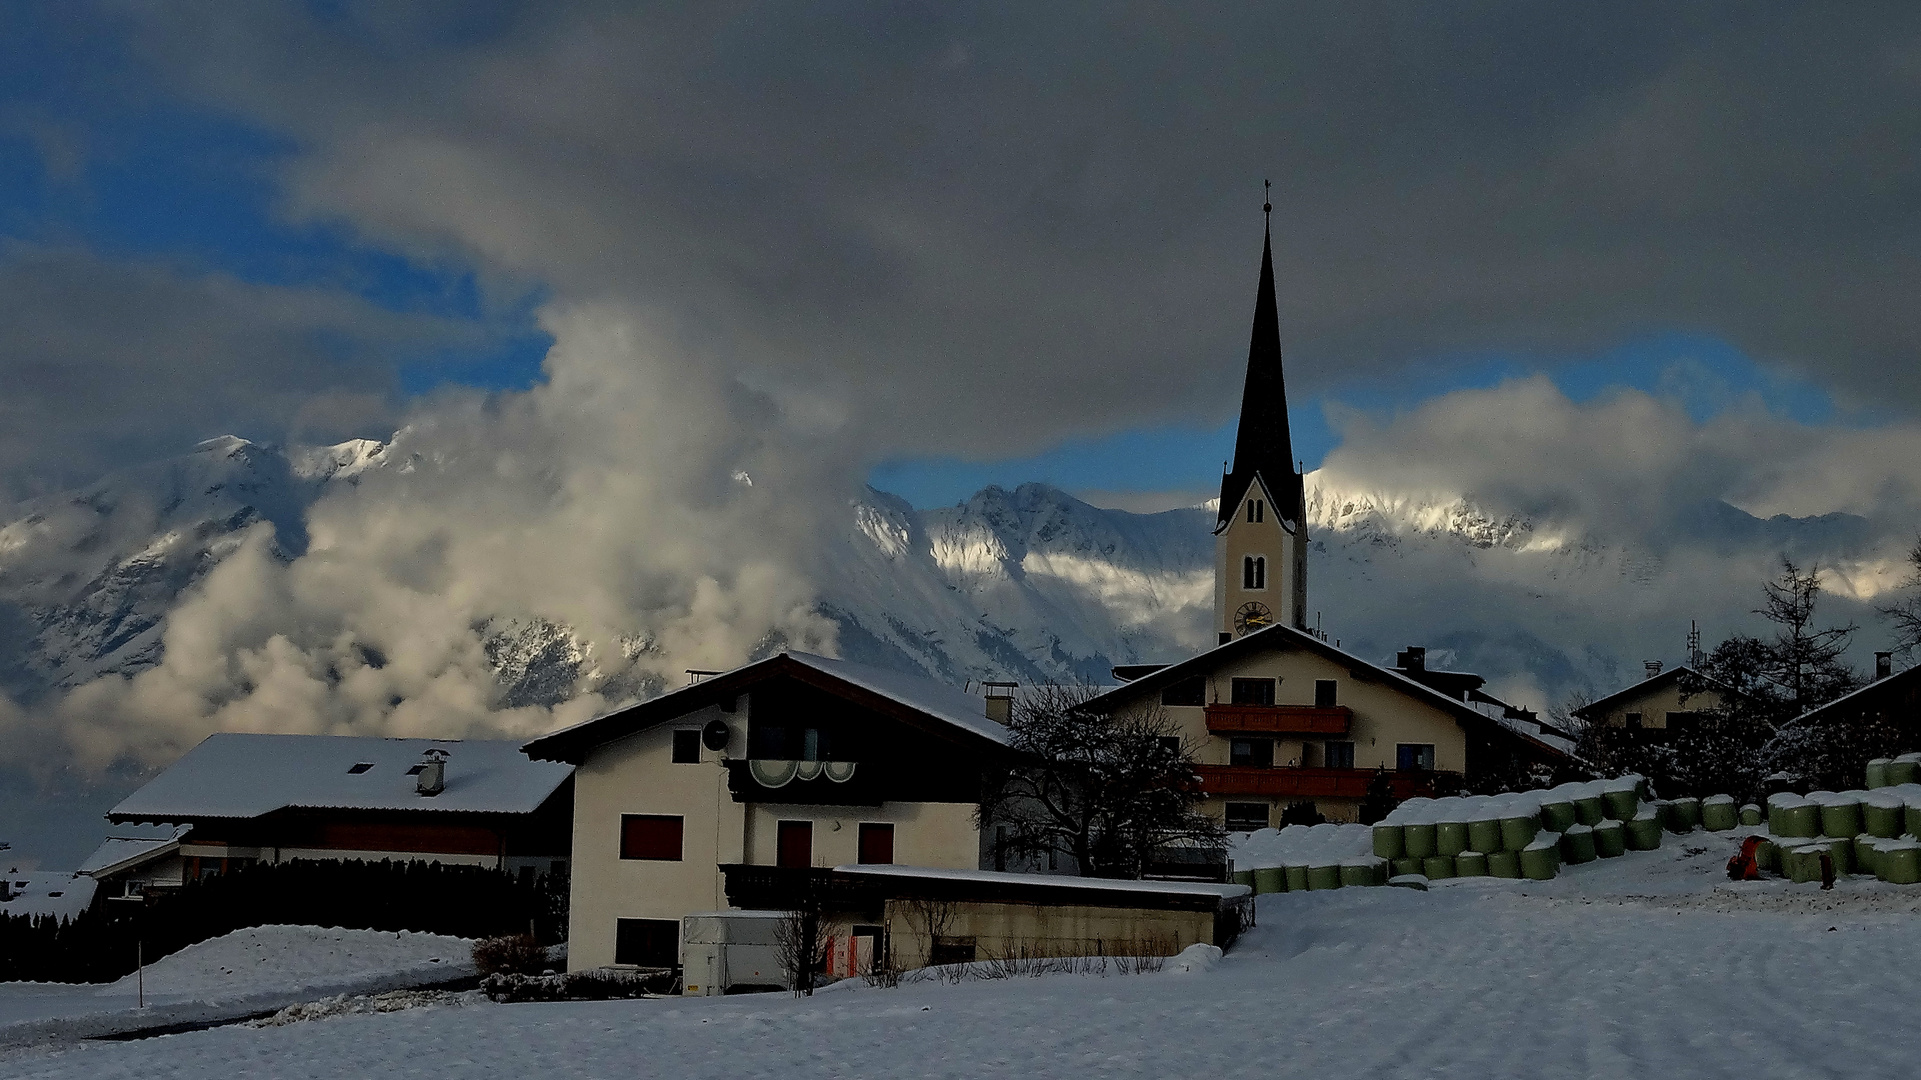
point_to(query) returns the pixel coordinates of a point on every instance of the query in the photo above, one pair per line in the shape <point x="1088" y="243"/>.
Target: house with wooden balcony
<point x="745" y="789"/>
<point x="1279" y="716"/>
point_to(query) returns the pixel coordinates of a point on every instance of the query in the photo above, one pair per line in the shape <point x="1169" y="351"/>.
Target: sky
<point x="660" y="285"/>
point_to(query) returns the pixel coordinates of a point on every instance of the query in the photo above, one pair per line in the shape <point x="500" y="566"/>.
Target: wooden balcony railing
<point x="1283" y="783"/>
<point x="1278" y="719"/>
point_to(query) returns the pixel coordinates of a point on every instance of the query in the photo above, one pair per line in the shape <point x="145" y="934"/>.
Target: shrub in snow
<point x="517" y="954"/>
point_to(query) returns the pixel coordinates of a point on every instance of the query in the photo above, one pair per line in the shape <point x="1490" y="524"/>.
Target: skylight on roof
<point x="359" y="768"/>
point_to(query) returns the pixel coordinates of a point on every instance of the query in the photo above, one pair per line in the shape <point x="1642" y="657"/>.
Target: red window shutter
<point x="650" y="836"/>
<point x="876" y="843"/>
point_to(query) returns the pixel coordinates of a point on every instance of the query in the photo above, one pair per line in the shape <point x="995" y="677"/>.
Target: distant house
<point x="1278" y="715"/>
<point x="244" y="798"/>
<point x="1668" y="699"/>
<point x="36" y="893"/>
<point x="1892" y="698"/>
<point x="746" y="788"/>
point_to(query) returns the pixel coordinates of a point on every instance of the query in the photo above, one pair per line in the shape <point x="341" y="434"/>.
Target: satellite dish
<point x="715" y="735"/>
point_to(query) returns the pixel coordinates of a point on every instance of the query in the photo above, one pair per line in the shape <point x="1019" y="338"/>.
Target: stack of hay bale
<point x="1307" y="857"/>
<point x="1868" y="831"/>
<point x="1520" y="834"/>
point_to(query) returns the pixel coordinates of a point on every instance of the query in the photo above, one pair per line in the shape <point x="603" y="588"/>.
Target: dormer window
<point x="1254" y="572"/>
<point x="359" y="768"/>
<point x="1256" y="510"/>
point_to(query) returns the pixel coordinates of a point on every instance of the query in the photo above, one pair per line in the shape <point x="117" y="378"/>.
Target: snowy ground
<point x="1649" y="965"/>
<point x="240" y="974"/>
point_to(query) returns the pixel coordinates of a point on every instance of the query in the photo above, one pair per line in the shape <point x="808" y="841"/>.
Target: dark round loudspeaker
<point x="715" y="735"/>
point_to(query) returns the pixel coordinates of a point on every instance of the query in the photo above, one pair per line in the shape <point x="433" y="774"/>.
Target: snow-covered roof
<point x="61" y="895"/>
<point x="235" y="775"/>
<point x="1051" y="881"/>
<point x="117" y="853"/>
<point x="921" y="697"/>
<point x="1671" y="674"/>
<point x="1897" y="678"/>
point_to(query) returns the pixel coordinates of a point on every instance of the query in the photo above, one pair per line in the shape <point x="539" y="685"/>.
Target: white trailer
<point x="730" y="952"/>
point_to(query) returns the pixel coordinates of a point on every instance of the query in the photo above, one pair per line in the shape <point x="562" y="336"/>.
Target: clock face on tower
<point x="1251" y="616"/>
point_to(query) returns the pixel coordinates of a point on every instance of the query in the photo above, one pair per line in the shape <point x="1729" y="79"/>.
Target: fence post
<point x="140" y="971"/>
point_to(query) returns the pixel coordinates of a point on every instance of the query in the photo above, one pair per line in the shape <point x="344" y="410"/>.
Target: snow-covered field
<point x="1648" y="965"/>
<point x="240" y="974"/>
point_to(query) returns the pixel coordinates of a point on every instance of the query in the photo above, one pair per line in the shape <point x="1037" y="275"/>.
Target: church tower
<point x="1260" y="540"/>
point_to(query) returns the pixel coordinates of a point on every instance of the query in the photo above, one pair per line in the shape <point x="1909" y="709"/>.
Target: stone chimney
<point x="1000" y="700"/>
<point x="1412" y="658"/>
<point x="431" y="780"/>
<point x="1653" y="667"/>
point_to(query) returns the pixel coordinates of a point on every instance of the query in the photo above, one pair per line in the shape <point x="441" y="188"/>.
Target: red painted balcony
<point x="1278" y="719"/>
<point x="1289" y="783"/>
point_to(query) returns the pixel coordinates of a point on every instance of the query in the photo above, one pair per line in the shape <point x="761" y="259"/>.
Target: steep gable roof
<point x="925" y="704"/>
<point x="1597" y="707"/>
<point x="1860" y="697"/>
<point x="1282" y="636"/>
<point x="241" y="775"/>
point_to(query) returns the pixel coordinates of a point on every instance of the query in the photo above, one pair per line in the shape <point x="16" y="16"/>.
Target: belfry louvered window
<point x="1254" y="572"/>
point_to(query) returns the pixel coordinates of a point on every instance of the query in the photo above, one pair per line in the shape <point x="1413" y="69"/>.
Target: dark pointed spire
<point x="1263" y="445"/>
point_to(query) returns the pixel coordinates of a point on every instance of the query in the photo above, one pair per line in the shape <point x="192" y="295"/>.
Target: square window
<point x="1253" y="691"/>
<point x="647" y="942"/>
<point x="650" y="836"/>
<point x="1634" y="719"/>
<point x="687" y="747"/>
<point x="794" y="844"/>
<point x="876" y="842"/>
<point x="1340" y="755"/>
<point x="1324" y="693"/>
<point x="1258" y="752"/>
<point x="1186" y="692"/>
<point x="1171" y="745"/>
<point x="1246" y="816"/>
<point x="1414" y="756"/>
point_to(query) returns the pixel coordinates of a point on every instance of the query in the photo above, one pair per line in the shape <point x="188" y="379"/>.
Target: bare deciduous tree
<point x="1105" y="789"/>
<point x="800" y="946"/>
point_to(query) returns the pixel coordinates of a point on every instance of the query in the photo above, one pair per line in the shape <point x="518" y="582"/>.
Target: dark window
<point x="1323" y="693"/>
<point x="876" y="842"/>
<point x="1251" y="752"/>
<point x="360" y="768"/>
<point x="1256" y="510"/>
<point x="1681" y="719"/>
<point x="1634" y="720"/>
<point x="1340" y="755"/>
<point x="952" y="950"/>
<point x="1254" y="572"/>
<point x="650" y="836"/>
<point x="1414" y="756"/>
<point x="1186" y="692"/>
<point x="794" y="844"/>
<point x="647" y="942"/>
<point x="416" y="770"/>
<point x="1171" y="744"/>
<point x="686" y="747"/>
<point x="1246" y="816"/>
<point x="778" y="742"/>
<point x="1000" y="847"/>
<point x="1253" y="691"/>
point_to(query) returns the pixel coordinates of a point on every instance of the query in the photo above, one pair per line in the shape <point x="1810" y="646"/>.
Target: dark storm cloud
<point x="105" y="361"/>
<point x="976" y="229"/>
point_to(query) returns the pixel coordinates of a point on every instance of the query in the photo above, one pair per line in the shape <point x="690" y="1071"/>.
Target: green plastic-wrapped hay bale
<point x="1801" y="863"/>
<point x="1644" y="832"/>
<point x="1470" y="864"/>
<point x="1841" y="818"/>
<point x="1912" y="818"/>
<point x="1877" y="773"/>
<point x="1767" y="856"/>
<point x="1557" y="816"/>
<point x="1903" y="772"/>
<point x="1450" y="838"/>
<point x="1404" y="866"/>
<point x="1326" y="876"/>
<point x="1541" y="860"/>
<point x="1388" y="842"/>
<point x="1683" y="815"/>
<point x="1866" y="854"/>
<point x="1417" y="841"/>
<point x="1518" y="832"/>
<point x="1841" y="850"/>
<point x="1718" y="813"/>
<point x="1589" y="810"/>
<point x="1297" y="878"/>
<point x="1622" y="802"/>
<point x="1901" y="863"/>
<point x="1577" y="845"/>
<point x="1245" y="877"/>
<point x="1356" y="872"/>
<point x="1484" y="834"/>
<point x="1438" y="866"/>
<point x="1793" y="816"/>
<point x="1883" y="816"/>
<point x="1504" y="864"/>
<point x="1270" y="879"/>
<point x="1408" y="881"/>
<point x="1610" y="839"/>
<point x="1751" y="816"/>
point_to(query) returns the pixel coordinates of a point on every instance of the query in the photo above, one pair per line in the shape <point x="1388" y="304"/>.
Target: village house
<point x="1666" y="700"/>
<point x="240" y="798"/>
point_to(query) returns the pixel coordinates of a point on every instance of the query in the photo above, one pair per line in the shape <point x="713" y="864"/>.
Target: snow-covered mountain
<point x="1025" y="584"/>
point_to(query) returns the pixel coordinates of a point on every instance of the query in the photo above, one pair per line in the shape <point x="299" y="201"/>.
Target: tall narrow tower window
<point x="1256" y="510"/>
<point x="1254" y="572"/>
